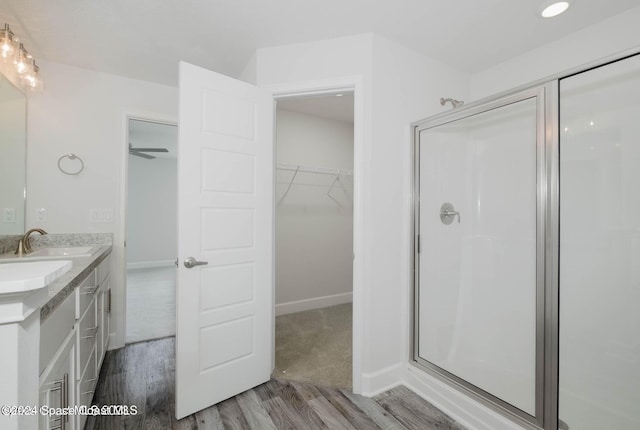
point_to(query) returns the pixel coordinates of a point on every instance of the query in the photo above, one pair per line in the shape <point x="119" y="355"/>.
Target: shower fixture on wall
<point x="455" y="103"/>
<point x="140" y="152"/>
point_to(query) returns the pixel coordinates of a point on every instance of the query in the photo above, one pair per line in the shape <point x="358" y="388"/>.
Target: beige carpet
<point x="315" y="346"/>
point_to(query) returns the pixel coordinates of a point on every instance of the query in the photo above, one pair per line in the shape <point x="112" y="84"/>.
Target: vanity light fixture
<point x="17" y="63"/>
<point x="553" y="8"/>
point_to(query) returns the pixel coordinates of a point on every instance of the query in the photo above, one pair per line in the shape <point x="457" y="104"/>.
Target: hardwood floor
<point x="142" y="374"/>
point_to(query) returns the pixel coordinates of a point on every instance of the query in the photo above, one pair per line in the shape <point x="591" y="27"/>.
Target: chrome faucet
<point x="24" y="247"/>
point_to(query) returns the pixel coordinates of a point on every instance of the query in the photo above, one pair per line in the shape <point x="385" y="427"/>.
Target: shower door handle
<point x="451" y="213"/>
<point x="191" y="262"/>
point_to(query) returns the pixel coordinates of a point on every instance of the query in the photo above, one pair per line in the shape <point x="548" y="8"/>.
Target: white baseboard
<point x="382" y="380"/>
<point x="315" y="303"/>
<point x="465" y="410"/>
<point x="151" y="264"/>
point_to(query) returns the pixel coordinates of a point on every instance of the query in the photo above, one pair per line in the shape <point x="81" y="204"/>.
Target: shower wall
<point x="477" y="275"/>
<point x="524" y="268"/>
<point x="600" y="248"/>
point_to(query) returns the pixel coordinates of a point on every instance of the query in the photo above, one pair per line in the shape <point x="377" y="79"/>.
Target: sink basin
<point x="31" y="275"/>
<point x="76" y="251"/>
<point x="50" y="253"/>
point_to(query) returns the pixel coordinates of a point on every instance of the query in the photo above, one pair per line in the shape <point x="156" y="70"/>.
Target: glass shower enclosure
<point x="527" y="250"/>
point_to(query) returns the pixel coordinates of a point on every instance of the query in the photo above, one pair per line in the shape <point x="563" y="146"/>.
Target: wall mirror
<point x="13" y="158"/>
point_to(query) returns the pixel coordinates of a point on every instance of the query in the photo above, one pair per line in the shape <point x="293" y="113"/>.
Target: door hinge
<point x="419" y="243"/>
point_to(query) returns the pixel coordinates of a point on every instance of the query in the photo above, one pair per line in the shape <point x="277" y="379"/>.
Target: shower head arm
<point x="455" y="103"/>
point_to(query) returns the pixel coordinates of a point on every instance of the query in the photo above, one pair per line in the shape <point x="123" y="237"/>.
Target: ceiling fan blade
<point x="140" y="154"/>
<point x="149" y="149"/>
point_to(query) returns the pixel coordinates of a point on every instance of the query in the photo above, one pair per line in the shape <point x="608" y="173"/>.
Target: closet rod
<point x="310" y="169"/>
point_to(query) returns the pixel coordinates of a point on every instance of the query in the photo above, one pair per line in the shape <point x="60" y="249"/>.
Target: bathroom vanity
<point x="55" y="345"/>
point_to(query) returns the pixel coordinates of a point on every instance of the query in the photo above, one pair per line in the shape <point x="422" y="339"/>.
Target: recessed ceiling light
<point x="339" y="95"/>
<point x="555" y="8"/>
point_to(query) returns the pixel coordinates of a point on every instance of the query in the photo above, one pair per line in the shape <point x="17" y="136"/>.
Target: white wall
<point x="407" y="87"/>
<point x="152" y="210"/>
<point x="83" y="112"/>
<point x="400" y="86"/>
<point x="618" y="33"/>
<point x="313" y="233"/>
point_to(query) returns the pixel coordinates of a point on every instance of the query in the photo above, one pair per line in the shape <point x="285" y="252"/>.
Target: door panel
<point x="599" y="376"/>
<point x="477" y="266"/>
<point x="224" y="330"/>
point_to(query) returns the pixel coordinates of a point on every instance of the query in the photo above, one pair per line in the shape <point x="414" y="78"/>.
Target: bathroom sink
<point x="51" y="253"/>
<point x="75" y="251"/>
<point x="30" y="275"/>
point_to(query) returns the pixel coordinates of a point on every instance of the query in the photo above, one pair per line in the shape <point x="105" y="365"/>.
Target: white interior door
<point x="224" y="326"/>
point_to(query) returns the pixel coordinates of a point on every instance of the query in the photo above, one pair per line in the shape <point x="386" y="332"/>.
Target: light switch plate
<point x="41" y="215"/>
<point x="9" y="215"/>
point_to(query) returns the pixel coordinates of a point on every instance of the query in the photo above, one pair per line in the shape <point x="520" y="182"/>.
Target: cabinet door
<point x="87" y="329"/>
<point x="86" y="388"/>
<point x="57" y="388"/>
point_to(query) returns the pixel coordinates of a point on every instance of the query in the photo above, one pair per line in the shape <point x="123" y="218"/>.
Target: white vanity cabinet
<point x="90" y="333"/>
<point x="73" y="342"/>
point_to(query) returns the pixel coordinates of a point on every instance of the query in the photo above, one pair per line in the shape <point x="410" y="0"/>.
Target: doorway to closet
<point x="314" y="239"/>
<point x="151" y="230"/>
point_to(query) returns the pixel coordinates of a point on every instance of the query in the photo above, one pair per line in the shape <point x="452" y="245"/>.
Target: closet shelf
<point x="297" y="168"/>
<point x="311" y="169"/>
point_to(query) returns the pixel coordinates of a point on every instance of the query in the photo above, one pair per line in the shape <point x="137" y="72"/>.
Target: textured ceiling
<point x="144" y="39"/>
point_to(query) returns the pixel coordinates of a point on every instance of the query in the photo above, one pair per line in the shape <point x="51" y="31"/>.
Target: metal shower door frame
<point x="547" y="219"/>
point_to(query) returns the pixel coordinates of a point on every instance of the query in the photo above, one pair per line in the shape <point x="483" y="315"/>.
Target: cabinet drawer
<point x="86" y="387"/>
<point x="87" y="331"/>
<point x="85" y="293"/>
<point x="54" y="329"/>
<point x="103" y="269"/>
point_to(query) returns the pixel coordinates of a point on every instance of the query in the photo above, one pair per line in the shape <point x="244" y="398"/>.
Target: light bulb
<point x="31" y="78"/>
<point x="554" y="9"/>
<point x="22" y="61"/>
<point x="7" y="48"/>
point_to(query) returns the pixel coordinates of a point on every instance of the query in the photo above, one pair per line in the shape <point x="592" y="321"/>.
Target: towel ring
<point x="71" y="156"/>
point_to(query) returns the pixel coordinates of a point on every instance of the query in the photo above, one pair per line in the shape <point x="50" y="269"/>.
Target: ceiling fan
<point x="140" y="152"/>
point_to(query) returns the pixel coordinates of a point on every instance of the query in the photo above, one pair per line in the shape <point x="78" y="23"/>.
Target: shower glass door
<point x="599" y="377"/>
<point x="478" y="262"/>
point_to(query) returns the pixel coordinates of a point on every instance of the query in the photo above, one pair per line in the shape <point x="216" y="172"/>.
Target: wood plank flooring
<point x="142" y="374"/>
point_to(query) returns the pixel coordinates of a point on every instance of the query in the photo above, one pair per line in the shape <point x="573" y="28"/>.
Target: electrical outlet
<point x="100" y="215"/>
<point x="107" y="215"/>
<point x="9" y="215"/>
<point x="41" y="215"/>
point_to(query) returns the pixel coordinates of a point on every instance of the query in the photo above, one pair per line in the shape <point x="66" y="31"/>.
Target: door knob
<point x="191" y="262"/>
